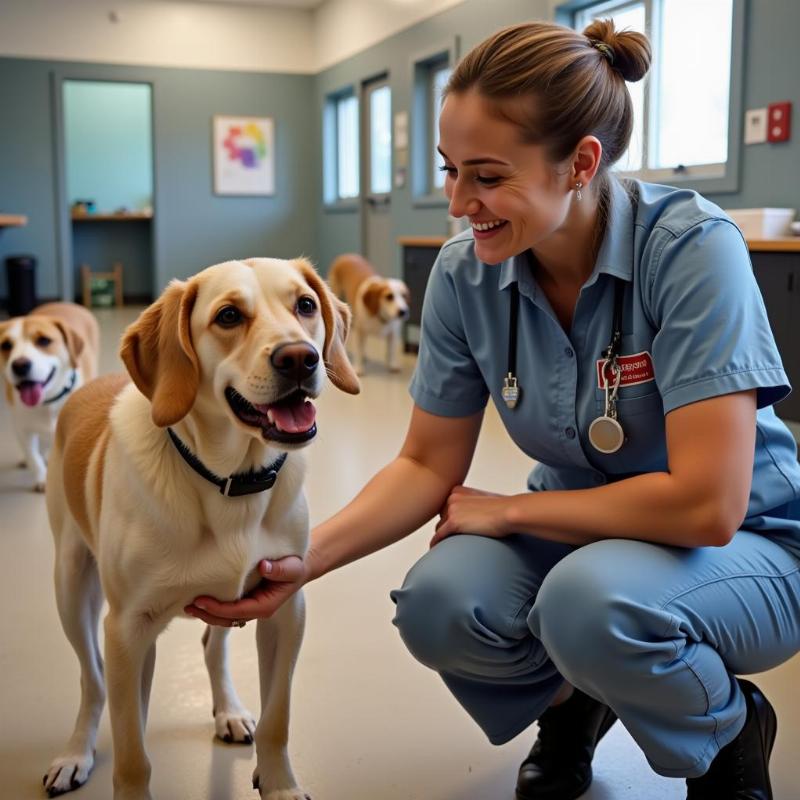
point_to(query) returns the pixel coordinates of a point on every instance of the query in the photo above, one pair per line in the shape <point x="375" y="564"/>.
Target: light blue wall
<point x="109" y="144"/>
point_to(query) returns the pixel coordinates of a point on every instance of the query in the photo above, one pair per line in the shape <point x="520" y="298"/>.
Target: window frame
<point x="424" y="194"/>
<point x="704" y="178"/>
<point x="332" y="201"/>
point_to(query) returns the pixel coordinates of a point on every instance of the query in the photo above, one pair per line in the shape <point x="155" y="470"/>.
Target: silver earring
<point x="578" y="194"/>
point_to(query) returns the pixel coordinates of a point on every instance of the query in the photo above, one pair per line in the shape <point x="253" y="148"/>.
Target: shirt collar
<point x="615" y="256"/>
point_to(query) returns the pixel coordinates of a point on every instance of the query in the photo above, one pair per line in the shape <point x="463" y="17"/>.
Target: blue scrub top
<point x="691" y="304"/>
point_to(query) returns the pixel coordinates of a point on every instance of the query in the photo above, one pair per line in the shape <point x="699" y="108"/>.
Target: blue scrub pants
<point x="655" y="632"/>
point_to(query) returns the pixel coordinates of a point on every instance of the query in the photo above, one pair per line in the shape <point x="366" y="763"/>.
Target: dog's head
<point x="255" y="338"/>
<point x="387" y="299"/>
<point x="36" y="351"/>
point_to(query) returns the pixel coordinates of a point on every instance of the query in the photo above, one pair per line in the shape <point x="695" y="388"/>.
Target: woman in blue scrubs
<point x="617" y="327"/>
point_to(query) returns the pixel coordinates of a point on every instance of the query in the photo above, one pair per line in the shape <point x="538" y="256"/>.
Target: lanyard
<point x="511" y="391"/>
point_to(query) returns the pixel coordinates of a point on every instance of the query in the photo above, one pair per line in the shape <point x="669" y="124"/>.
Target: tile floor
<point x="368" y="722"/>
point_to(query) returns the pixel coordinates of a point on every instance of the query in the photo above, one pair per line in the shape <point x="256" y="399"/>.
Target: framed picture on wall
<point x="244" y="155"/>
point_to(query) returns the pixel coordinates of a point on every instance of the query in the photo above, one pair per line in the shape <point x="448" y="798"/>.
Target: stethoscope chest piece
<point x="606" y="435"/>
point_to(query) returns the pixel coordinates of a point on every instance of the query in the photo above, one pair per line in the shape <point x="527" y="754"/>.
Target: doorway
<point x="108" y="179"/>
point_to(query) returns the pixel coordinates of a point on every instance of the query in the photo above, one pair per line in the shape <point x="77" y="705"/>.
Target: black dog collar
<point x="234" y="485"/>
<point x="65" y="390"/>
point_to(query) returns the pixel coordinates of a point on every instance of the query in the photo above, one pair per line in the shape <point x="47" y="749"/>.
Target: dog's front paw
<point x="235" y="727"/>
<point x="295" y="793"/>
<point x="67" y="773"/>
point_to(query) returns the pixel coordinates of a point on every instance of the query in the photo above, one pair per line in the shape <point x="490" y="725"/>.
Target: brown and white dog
<point x="45" y="355"/>
<point x="379" y="305"/>
<point x="222" y="365"/>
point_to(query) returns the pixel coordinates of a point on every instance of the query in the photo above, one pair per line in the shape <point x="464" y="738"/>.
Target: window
<point x="380" y="146"/>
<point x="682" y="109"/>
<point x="431" y="74"/>
<point x="439" y="77"/>
<point x="341" y="147"/>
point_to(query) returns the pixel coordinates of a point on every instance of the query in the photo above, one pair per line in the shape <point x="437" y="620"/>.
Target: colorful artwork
<point x="244" y="156"/>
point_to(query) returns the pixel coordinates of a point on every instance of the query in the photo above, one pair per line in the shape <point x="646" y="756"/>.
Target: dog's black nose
<point x="295" y="360"/>
<point x="21" y="367"/>
<point x="402" y="313"/>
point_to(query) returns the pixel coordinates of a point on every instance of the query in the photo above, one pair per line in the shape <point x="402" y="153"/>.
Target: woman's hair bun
<point x="630" y="50"/>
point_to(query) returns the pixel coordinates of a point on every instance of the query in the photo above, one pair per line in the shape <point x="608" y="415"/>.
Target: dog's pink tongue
<point x="294" y="419"/>
<point x="31" y="393"/>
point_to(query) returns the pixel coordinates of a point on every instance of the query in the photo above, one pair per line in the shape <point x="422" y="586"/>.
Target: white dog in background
<point x="45" y="356"/>
<point x="379" y="305"/>
<point x="176" y="485"/>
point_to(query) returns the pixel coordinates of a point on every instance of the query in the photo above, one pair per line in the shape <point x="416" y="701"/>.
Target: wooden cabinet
<point x="778" y="276"/>
<point x="419" y="253"/>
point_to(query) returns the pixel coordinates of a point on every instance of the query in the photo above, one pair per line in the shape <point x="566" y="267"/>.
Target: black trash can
<point x="21" y="272"/>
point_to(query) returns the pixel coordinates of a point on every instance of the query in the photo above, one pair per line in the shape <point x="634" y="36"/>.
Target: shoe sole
<point x="608" y="721"/>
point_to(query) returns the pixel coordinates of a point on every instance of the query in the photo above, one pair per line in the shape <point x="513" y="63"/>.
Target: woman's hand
<point x="472" y="511"/>
<point x="280" y="580"/>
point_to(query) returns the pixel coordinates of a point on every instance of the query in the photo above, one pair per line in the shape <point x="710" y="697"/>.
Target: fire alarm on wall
<point x="779" y="118"/>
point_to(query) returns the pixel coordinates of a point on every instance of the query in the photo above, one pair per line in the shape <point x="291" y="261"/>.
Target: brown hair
<point x="577" y="82"/>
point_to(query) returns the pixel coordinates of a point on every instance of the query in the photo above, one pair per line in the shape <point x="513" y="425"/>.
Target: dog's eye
<point x="43" y="341"/>
<point x="6" y="346"/>
<point x="228" y="316"/>
<point x="306" y="306"/>
<point x="390" y="297"/>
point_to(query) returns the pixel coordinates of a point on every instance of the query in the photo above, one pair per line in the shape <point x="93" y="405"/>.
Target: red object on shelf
<point x="779" y="122"/>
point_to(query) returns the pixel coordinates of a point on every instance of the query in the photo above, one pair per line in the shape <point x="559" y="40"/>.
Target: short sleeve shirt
<point x="694" y="326"/>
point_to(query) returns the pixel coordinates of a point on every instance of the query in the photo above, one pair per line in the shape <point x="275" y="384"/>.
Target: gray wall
<point x="192" y="228"/>
<point x="770" y="174"/>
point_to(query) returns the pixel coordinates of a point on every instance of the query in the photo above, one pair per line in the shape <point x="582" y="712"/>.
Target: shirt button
<point x="568" y="352"/>
<point x="570" y="432"/>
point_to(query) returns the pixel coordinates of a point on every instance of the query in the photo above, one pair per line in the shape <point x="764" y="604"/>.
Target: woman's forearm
<point x="652" y="507"/>
<point x="402" y="497"/>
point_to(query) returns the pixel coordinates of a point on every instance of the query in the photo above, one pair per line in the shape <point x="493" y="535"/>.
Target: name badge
<point x="637" y="368"/>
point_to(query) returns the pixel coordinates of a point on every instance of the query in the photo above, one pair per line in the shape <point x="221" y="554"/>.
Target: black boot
<point x="559" y="767"/>
<point x="741" y="769"/>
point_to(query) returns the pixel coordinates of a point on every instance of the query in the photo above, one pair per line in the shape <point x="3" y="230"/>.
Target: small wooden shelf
<point x="136" y="216"/>
<point x="12" y="220"/>
<point x="783" y="244"/>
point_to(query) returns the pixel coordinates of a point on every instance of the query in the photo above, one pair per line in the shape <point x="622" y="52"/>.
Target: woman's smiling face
<point x="512" y="195"/>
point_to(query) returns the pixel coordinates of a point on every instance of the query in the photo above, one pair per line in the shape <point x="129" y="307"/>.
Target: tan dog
<point x="45" y="357"/>
<point x="225" y="361"/>
<point x="380" y="305"/>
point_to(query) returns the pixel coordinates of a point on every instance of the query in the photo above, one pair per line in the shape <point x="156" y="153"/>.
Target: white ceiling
<point x="303" y="5"/>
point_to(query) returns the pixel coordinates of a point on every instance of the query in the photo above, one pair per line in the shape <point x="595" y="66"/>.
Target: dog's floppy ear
<point x="158" y="353"/>
<point x="372" y="298"/>
<point x="336" y="316"/>
<point x="73" y="341"/>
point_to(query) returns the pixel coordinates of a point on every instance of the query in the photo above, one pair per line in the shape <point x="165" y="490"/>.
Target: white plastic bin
<point x="762" y="223"/>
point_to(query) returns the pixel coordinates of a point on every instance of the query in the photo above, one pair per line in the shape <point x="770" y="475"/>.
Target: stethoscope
<point x="605" y="433"/>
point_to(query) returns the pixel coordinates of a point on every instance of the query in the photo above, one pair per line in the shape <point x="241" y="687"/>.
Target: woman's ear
<point x="336" y="316"/>
<point x="586" y="160"/>
<point x="158" y="353"/>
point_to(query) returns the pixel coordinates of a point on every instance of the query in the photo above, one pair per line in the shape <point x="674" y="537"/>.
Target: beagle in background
<point x="176" y="485"/>
<point x="45" y="356"/>
<point x="379" y="305"/>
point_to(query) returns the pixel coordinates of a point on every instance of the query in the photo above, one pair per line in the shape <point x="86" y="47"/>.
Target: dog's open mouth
<point x="31" y="392"/>
<point x="290" y="420"/>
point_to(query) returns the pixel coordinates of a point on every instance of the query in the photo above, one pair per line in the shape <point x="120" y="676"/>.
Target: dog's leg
<point x="33" y="458"/>
<point x="232" y="721"/>
<point x="129" y="649"/>
<point x="79" y="598"/>
<point x="278" y="639"/>
<point x="147" y="680"/>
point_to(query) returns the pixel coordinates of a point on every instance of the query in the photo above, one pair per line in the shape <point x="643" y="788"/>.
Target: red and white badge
<point x="637" y="368"/>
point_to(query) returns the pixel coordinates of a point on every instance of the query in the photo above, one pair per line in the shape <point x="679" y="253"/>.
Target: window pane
<point x="380" y="116"/>
<point x="438" y="82"/>
<point x="347" y="146"/>
<point x="694" y="83"/>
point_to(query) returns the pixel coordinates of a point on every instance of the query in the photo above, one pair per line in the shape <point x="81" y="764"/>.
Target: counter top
<point x="12" y="220"/>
